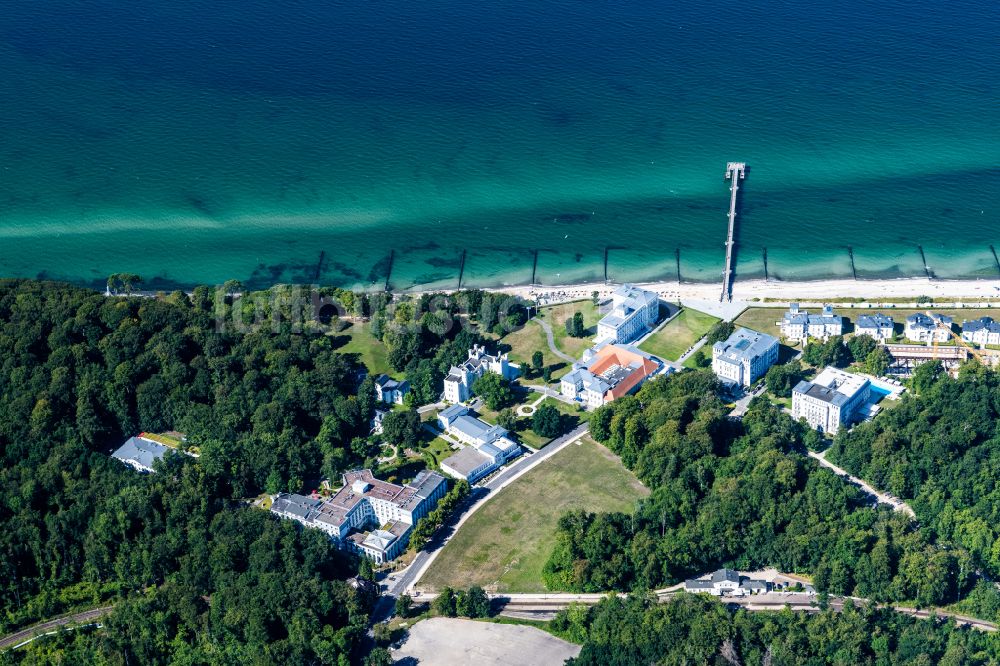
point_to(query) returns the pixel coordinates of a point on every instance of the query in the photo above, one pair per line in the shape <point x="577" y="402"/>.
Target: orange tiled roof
<point x="610" y="356"/>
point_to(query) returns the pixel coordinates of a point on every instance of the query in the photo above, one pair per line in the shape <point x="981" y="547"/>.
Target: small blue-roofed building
<point x="140" y="453"/>
<point x="878" y="326"/>
<point x="744" y="357"/>
<point x="391" y="391"/>
<point x="488" y="446"/>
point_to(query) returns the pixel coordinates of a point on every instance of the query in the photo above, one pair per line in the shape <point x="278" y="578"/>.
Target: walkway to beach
<point x="552" y="342"/>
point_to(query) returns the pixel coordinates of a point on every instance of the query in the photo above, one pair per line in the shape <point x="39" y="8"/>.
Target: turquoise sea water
<point x="193" y="142"/>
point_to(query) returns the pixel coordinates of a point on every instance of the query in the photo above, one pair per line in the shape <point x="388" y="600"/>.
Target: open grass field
<point x="761" y="320"/>
<point x="556" y="316"/>
<point x="528" y="339"/>
<point x="356" y="339"/>
<point x="679" y="334"/>
<point x="505" y="544"/>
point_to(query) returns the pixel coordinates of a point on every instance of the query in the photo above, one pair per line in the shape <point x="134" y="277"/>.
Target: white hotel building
<point x="633" y="312"/>
<point x="370" y="516"/>
<point x="831" y="400"/>
<point x="744" y="357"/>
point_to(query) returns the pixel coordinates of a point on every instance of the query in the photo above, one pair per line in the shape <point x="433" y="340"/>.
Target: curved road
<point x="28" y="634"/>
<point x="552" y="342"/>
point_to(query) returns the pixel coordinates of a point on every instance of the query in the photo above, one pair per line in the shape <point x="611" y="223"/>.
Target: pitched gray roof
<point x="142" y="451"/>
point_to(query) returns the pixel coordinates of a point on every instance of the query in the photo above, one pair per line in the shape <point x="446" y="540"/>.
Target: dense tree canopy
<point x="741" y="494"/>
<point x="266" y="405"/>
<point x="940" y="451"/>
<point x="693" y="629"/>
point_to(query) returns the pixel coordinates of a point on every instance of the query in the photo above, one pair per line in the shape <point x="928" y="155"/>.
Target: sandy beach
<point x="873" y="291"/>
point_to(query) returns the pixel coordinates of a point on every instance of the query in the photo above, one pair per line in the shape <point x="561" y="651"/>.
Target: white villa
<point x="831" y="400"/>
<point x="633" y="312"/>
<point x="372" y="517"/>
<point x="744" y="357"/>
<point x="797" y="324"/>
<point x="727" y="583"/>
<point x="878" y="326"/>
<point x="928" y="328"/>
<point x="458" y="383"/>
<point x="982" y="331"/>
<point x="391" y="391"/>
<point x="488" y="447"/>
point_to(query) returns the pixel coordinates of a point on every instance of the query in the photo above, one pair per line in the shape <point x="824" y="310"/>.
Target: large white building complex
<point x="744" y="357"/>
<point x="488" y="447"/>
<point x="633" y="312"/>
<point x="928" y="327"/>
<point x="831" y="400"/>
<point x="371" y="517"/>
<point x="458" y="383"/>
<point x="982" y="331"/>
<point x="878" y="326"/>
<point x="797" y="324"/>
<point x="612" y="372"/>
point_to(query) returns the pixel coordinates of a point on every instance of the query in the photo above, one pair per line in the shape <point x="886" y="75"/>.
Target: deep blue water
<point x="194" y="142"/>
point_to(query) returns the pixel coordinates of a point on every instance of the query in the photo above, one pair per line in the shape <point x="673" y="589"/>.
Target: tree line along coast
<point x="195" y="572"/>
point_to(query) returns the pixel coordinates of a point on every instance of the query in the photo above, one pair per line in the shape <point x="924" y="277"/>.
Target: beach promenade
<point x="777" y="292"/>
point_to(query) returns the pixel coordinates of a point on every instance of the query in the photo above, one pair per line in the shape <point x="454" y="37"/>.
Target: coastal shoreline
<point x="774" y="291"/>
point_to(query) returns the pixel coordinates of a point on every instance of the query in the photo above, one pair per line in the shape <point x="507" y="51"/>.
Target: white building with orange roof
<point x="611" y="373"/>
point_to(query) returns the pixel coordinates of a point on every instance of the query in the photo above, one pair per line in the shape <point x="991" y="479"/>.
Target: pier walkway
<point x="734" y="171"/>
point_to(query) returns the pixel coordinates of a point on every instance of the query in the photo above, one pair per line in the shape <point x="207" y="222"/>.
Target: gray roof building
<point x="874" y="321"/>
<point x="140" y="453"/>
<point x="981" y="324"/>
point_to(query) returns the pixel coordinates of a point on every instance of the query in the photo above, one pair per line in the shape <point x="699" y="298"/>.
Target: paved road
<point x="883" y="498"/>
<point x="405" y="580"/>
<point x="23" y="636"/>
<point x="552" y="342"/>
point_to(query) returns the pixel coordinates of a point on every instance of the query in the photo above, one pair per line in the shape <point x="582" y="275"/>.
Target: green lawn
<point x="528" y="339"/>
<point x="556" y="316"/>
<point x="762" y="320"/>
<point x="438" y="449"/>
<point x="356" y="339"/>
<point x="505" y="544"/>
<point x="679" y="334"/>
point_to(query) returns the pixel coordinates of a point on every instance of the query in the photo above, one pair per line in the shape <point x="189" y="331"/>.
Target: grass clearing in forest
<point x="505" y="544"/>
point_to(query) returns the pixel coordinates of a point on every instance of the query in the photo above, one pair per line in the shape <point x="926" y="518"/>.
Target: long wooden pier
<point x="735" y="171"/>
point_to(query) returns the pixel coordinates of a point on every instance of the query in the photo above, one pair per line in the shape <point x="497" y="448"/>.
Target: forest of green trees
<point x="693" y="629"/>
<point x="939" y="450"/>
<point x="270" y="404"/>
<point x="744" y="494"/>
